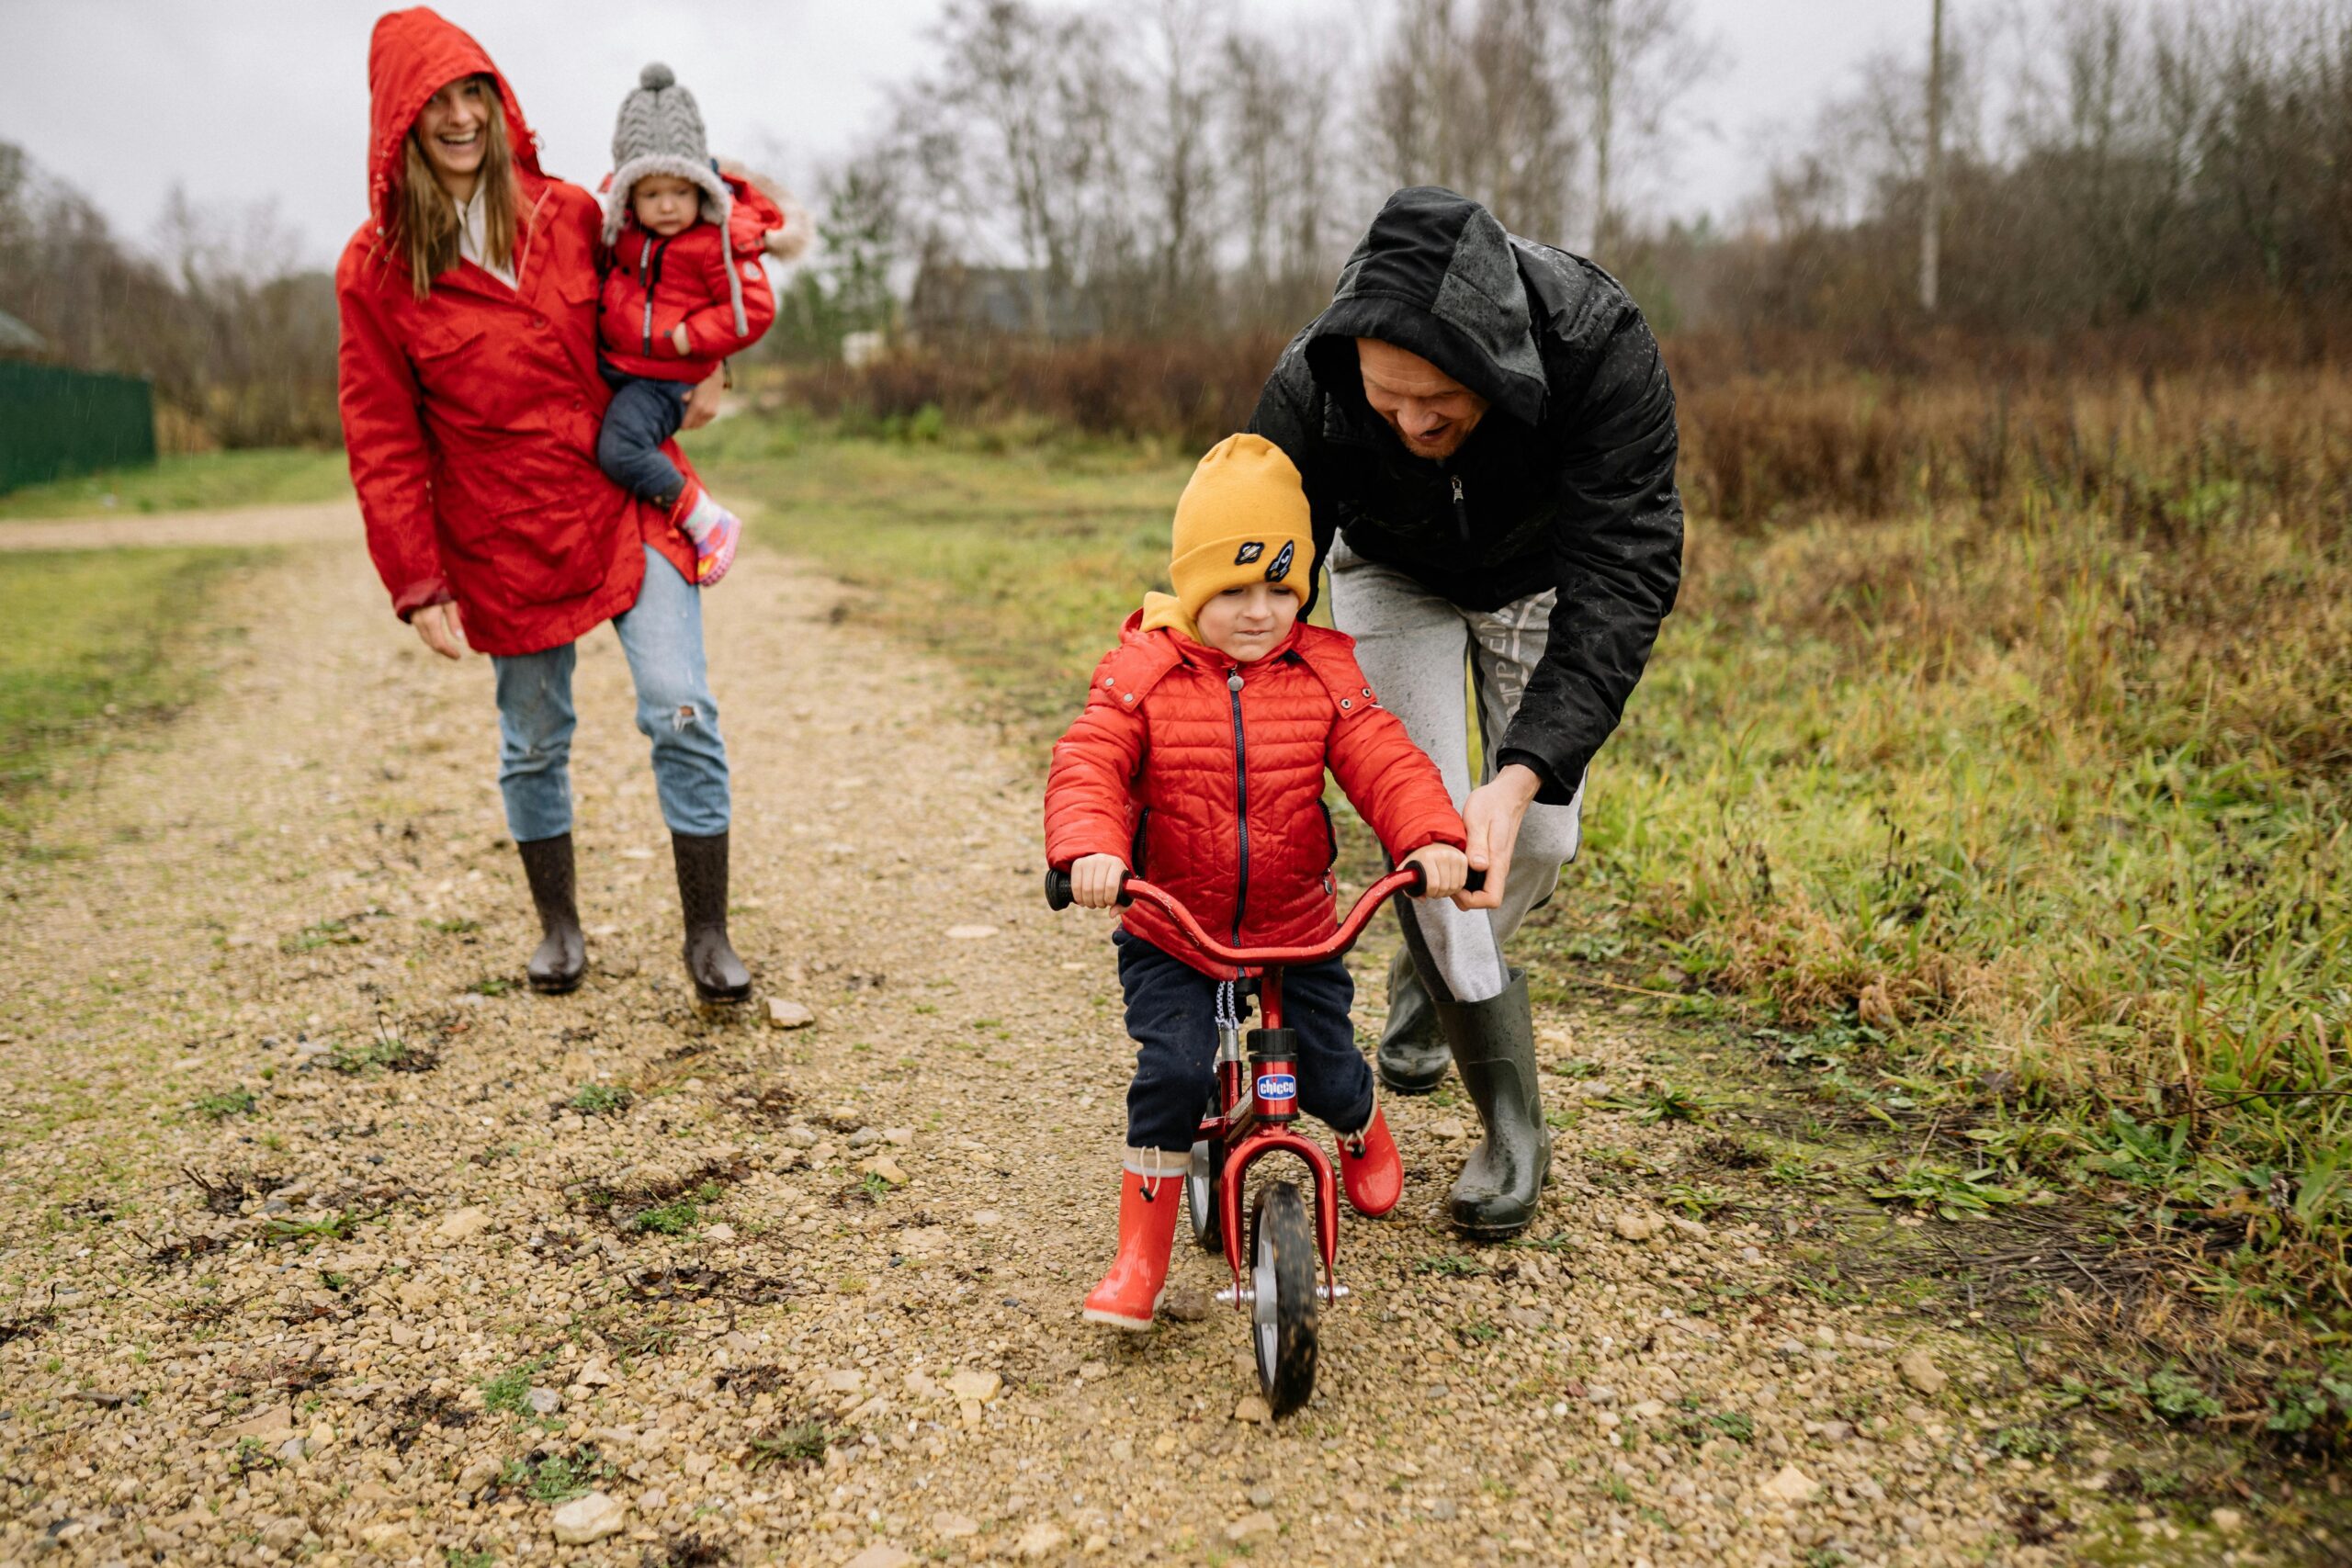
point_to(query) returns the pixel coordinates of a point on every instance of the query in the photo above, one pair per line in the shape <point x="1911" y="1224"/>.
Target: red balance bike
<point x="1252" y="1115"/>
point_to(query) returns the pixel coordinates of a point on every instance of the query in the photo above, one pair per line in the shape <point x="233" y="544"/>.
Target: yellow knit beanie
<point x="1242" y="519"/>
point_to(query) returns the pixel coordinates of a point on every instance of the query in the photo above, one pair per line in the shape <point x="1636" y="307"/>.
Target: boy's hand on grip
<point x="1444" y="870"/>
<point x="1094" y="880"/>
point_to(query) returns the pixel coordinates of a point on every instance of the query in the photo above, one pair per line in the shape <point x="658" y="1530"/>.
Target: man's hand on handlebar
<point x="1444" y="870"/>
<point x="1492" y="816"/>
<point x="1094" y="880"/>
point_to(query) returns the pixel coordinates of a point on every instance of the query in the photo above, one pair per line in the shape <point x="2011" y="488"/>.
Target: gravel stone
<point x="585" y="1520"/>
<point x="1919" y="1370"/>
<point x="1248" y="1527"/>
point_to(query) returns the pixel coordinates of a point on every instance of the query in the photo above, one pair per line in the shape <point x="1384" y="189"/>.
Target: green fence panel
<point x="55" y="422"/>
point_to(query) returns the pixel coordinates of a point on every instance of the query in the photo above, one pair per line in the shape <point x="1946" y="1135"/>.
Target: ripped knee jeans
<point x="661" y="635"/>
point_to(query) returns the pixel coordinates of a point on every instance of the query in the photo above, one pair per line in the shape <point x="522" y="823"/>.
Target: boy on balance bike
<point x="1198" y="762"/>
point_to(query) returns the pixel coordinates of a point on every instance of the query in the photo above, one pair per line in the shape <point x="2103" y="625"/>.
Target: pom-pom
<point x="655" y="77"/>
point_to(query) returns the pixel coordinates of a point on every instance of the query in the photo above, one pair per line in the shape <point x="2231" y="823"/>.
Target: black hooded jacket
<point x="1567" y="482"/>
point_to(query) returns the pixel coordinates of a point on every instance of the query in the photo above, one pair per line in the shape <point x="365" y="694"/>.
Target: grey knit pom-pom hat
<point x="660" y="132"/>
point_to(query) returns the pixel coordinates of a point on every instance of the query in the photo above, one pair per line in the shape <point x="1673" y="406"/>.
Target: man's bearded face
<point x="1430" y="411"/>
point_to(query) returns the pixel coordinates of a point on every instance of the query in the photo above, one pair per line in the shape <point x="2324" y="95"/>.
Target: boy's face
<point x="664" y="204"/>
<point x="1245" y="623"/>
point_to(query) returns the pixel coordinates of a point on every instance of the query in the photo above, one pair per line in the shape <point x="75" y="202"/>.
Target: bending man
<point x="1484" y="424"/>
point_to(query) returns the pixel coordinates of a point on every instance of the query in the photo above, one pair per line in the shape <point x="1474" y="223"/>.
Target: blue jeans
<point x="1172" y="1017"/>
<point x="644" y="414"/>
<point x="662" y="635"/>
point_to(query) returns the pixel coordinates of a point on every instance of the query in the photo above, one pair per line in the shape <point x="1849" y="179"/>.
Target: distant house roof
<point x="18" y="338"/>
<point x="950" y="297"/>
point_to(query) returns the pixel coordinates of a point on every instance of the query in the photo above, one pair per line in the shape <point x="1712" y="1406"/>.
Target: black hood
<point x="1435" y="274"/>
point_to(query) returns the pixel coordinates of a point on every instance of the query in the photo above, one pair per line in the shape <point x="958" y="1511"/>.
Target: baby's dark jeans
<point x="644" y="414"/>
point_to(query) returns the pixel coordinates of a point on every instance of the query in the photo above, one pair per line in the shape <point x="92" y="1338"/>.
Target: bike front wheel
<point x="1284" y="1310"/>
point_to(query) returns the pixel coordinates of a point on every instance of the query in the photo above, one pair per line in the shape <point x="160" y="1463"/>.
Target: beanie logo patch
<point x="1279" y="567"/>
<point x="1248" y="553"/>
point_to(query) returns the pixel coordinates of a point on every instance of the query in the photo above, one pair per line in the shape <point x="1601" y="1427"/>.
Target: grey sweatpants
<point x="1415" y="646"/>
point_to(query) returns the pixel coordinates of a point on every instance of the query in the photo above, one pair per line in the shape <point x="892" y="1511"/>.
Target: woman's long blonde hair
<point x="426" y="224"/>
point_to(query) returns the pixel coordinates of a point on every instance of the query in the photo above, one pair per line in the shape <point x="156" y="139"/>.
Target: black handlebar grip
<point x="1059" y="895"/>
<point x="1476" y="883"/>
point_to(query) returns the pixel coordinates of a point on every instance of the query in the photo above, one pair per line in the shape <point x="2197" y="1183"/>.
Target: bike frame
<point x="1258" y="1084"/>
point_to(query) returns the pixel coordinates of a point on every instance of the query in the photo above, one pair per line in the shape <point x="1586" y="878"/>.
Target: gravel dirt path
<point x="324" y="522"/>
<point x="804" y="1295"/>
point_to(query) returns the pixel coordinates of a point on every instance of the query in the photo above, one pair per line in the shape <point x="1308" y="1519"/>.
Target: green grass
<point x="2028" y="825"/>
<point x="201" y="481"/>
<point x="97" y="645"/>
<point x="1022" y="563"/>
<point x="507" y="1392"/>
<point x="556" y="1477"/>
<point x="802" y="1442"/>
<point x="601" y="1099"/>
<point x="226" y="1103"/>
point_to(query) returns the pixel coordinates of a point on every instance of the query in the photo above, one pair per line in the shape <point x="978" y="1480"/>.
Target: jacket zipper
<point x="649" y="274"/>
<point x="1461" y="509"/>
<point x="1241" y="800"/>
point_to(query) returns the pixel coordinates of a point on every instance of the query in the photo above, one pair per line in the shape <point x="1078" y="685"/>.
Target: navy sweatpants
<point x="1171" y="1016"/>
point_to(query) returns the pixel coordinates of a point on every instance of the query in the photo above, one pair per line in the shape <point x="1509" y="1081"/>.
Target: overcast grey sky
<point x="241" y="100"/>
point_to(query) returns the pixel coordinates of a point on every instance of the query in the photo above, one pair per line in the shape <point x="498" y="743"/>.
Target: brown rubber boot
<point x="562" y="954"/>
<point x="718" y="976"/>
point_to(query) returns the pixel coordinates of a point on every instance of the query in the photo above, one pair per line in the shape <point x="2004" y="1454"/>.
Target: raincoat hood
<point x="412" y="55"/>
<point x="1435" y="274"/>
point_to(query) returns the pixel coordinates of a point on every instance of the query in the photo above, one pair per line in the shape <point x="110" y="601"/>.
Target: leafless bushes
<point x="238" y="339"/>
<point x="1194" y="391"/>
<point x="2169" y="426"/>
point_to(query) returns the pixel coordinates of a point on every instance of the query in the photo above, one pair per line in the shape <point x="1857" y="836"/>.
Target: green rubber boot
<point x="1494" y="1047"/>
<point x="1413" y="1055"/>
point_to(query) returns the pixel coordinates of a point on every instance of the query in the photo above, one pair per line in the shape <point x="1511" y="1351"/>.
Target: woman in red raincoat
<point x="470" y="407"/>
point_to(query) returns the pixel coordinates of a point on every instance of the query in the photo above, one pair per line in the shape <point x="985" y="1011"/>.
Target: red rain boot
<point x="1370" y="1172"/>
<point x="1130" y="1292"/>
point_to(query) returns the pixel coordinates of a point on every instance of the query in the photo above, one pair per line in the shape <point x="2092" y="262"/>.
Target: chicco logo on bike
<point x="1277" y="1086"/>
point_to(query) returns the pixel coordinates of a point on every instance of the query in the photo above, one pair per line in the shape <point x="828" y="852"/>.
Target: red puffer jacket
<point x="470" y="419"/>
<point x="1215" y="792"/>
<point x="656" y="284"/>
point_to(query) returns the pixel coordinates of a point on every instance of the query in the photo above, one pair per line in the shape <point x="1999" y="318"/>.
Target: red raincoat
<point x="470" y="419"/>
<point x="1216" y="793"/>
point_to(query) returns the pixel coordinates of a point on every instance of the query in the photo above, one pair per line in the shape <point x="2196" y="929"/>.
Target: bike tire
<point x="1200" y="1181"/>
<point x="1286" y="1312"/>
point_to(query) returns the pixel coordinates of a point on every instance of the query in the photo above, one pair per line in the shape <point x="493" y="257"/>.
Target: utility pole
<point x="1932" y="208"/>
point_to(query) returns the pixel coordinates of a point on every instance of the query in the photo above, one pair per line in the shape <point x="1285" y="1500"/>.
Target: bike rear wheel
<point x="1284" y="1310"/>
<point x="1200" y="1181"/>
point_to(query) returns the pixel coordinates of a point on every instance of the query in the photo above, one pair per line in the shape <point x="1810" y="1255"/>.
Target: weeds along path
<point x="326" y="1243"/>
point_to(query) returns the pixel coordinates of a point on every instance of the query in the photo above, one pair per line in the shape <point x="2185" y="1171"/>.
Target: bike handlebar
<point x="1407" y="878"/>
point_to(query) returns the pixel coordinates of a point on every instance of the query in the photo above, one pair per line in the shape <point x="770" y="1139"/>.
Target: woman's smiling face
<point x="453" y="129"/>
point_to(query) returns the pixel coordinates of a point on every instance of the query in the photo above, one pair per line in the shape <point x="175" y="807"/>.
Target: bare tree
<point x="1020" y="122"/>
<point x="1473" y="98"/>
<point x="1256" y="133"/>
<point x="1637" y="59"/>
<point x="1931" y="221"/>
<point x="1177" y="155"/>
